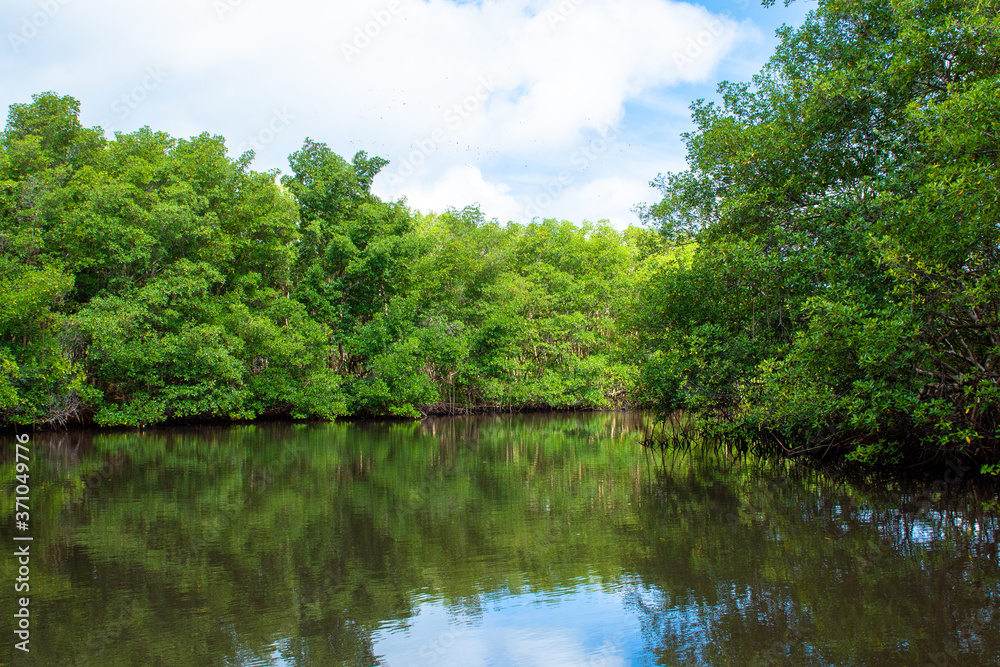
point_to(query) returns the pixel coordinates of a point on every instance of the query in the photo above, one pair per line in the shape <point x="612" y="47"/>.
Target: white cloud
<point x="507" y="88"/>
<point x="606" y="197"/>
<point x="460" y="186"/>
<point x="514" y="631"/>
<point x="554" y="648"/>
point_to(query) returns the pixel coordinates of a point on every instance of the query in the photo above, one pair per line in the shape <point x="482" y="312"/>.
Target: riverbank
<point x="857" y="454"/>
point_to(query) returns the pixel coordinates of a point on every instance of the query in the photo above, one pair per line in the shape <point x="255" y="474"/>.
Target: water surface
<point x="504" y="540"/>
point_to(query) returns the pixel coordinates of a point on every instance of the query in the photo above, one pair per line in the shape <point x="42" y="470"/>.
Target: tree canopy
<point x="844" y="204"/>
<point x="152" y="279"/>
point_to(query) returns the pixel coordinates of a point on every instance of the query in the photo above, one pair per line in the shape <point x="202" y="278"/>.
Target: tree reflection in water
<point x="379" y="543"/>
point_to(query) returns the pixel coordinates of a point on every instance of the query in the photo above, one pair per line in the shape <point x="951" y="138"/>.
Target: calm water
<point x="516" y="540"/>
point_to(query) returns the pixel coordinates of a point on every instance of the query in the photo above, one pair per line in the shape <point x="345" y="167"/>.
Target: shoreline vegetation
<point x="825" y="277"/>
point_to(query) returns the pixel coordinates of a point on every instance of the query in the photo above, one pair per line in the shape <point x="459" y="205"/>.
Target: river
<point x="537" y="539"/>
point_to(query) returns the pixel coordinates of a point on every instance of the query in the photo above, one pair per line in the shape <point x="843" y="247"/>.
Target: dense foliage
<point x="148" y="278"/>
<point x="826" y="274"/>
<point x="844" y="291"/>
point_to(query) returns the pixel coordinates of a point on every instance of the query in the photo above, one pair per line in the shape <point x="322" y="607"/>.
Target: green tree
<point x="845" y="215"/>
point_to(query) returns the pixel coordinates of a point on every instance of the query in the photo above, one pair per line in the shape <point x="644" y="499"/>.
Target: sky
<point x="530" y="109"/>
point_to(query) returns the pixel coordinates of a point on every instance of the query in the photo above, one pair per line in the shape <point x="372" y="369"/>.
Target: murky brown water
<point x="514" y="540"/>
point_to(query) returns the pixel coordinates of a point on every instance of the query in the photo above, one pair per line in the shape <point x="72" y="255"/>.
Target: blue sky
<point x="556" y="108"/>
